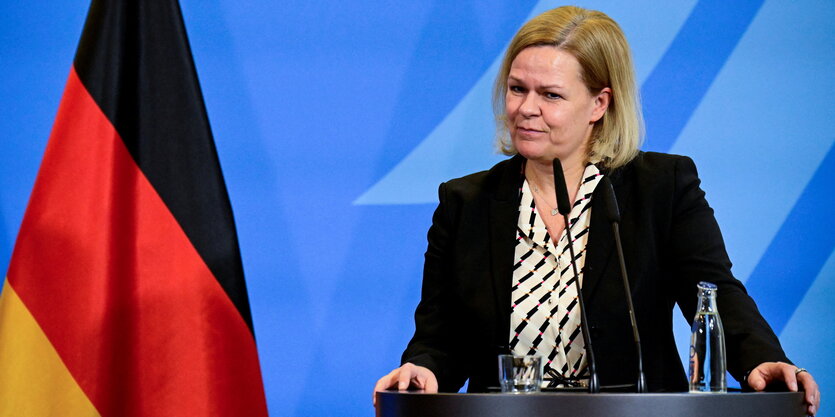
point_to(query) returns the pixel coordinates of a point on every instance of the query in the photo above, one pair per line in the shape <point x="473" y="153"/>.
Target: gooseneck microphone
<point x="613" y="214"/>
<point x="564" y="207"/>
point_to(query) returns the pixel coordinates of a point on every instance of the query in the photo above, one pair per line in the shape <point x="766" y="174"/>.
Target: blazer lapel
<point x="503" y="216"/>
<point x="600" y="248"/>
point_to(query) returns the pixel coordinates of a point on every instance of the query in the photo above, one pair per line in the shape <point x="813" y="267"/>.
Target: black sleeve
<point x="698" y="254"/>
<point x="435" y="344"/>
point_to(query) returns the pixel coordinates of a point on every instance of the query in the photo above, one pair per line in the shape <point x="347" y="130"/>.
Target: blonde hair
<point x="599" y="45"/>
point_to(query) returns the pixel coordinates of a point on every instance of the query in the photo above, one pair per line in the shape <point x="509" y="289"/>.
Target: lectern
<point x="755" y="404"/>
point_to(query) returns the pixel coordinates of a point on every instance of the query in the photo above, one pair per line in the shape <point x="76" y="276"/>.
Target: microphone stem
<point x="594" y="381"/>
<point x="642" y="383"/>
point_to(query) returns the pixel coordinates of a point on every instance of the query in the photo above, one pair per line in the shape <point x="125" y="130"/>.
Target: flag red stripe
<point x="106" y="270"/>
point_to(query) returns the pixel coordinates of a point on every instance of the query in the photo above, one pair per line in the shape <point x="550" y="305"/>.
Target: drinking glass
<point x="520" y="373"/>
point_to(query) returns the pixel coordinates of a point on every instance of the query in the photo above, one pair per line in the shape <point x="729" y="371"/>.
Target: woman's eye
<point x="552" y="96"/>
<point x="516" y="89"/>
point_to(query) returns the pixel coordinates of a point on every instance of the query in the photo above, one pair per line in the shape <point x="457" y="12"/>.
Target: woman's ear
<point x="601" y="103"/>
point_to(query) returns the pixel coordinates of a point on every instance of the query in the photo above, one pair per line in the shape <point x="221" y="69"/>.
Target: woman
<point x="496" y="277"/>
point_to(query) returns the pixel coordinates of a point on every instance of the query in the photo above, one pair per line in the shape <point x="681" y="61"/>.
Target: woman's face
<point x="550" y="111"/>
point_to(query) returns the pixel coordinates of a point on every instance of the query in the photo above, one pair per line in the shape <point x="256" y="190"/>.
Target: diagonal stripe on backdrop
<point x="681" y="79"/>
<point x="799" y="251"/>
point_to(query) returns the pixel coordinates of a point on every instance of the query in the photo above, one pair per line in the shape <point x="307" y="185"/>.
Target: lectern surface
<point x="758" y="404"/>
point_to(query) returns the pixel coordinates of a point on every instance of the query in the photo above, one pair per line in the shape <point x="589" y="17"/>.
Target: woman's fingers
<point x="406" y="376"/>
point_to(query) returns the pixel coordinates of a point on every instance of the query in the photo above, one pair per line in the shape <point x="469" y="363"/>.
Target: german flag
<point x="125" y="293"/>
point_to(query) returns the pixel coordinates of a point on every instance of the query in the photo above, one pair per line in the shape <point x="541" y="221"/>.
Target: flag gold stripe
<point x="33" y="379"/>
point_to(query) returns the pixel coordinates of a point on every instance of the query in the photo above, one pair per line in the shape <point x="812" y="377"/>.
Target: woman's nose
<point x="530" y="105"/>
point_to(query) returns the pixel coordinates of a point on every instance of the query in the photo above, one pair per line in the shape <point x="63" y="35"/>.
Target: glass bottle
<point x="707" y="344"/>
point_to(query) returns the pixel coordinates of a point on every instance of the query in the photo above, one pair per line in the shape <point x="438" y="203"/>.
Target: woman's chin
<point x="528" y="149"/>
<point x="534" y="153"/>
<point x="545" y="153"/>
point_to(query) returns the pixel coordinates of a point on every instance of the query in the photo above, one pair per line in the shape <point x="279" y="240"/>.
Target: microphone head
<point x="563" y="205"/>
<point x="610" y="200"/>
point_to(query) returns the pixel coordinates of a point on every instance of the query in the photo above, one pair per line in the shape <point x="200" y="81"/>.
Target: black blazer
<point x="671" y="242"/>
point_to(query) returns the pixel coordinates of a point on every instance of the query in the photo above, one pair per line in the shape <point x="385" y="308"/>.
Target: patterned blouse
<point x="545" y="315"/>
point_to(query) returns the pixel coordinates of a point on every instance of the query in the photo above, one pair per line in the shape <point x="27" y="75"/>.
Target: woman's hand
<point x="406" y="376"/>
<point x="769" y="372"/>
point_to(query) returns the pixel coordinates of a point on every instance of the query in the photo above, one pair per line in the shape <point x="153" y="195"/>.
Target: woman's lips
<point x="528" y="131"/>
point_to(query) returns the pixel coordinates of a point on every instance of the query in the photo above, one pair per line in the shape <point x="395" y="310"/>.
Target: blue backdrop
<point x="335" y="122"/>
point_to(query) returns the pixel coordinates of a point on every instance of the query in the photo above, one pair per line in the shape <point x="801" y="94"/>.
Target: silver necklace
<point x="554" y="211"/>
